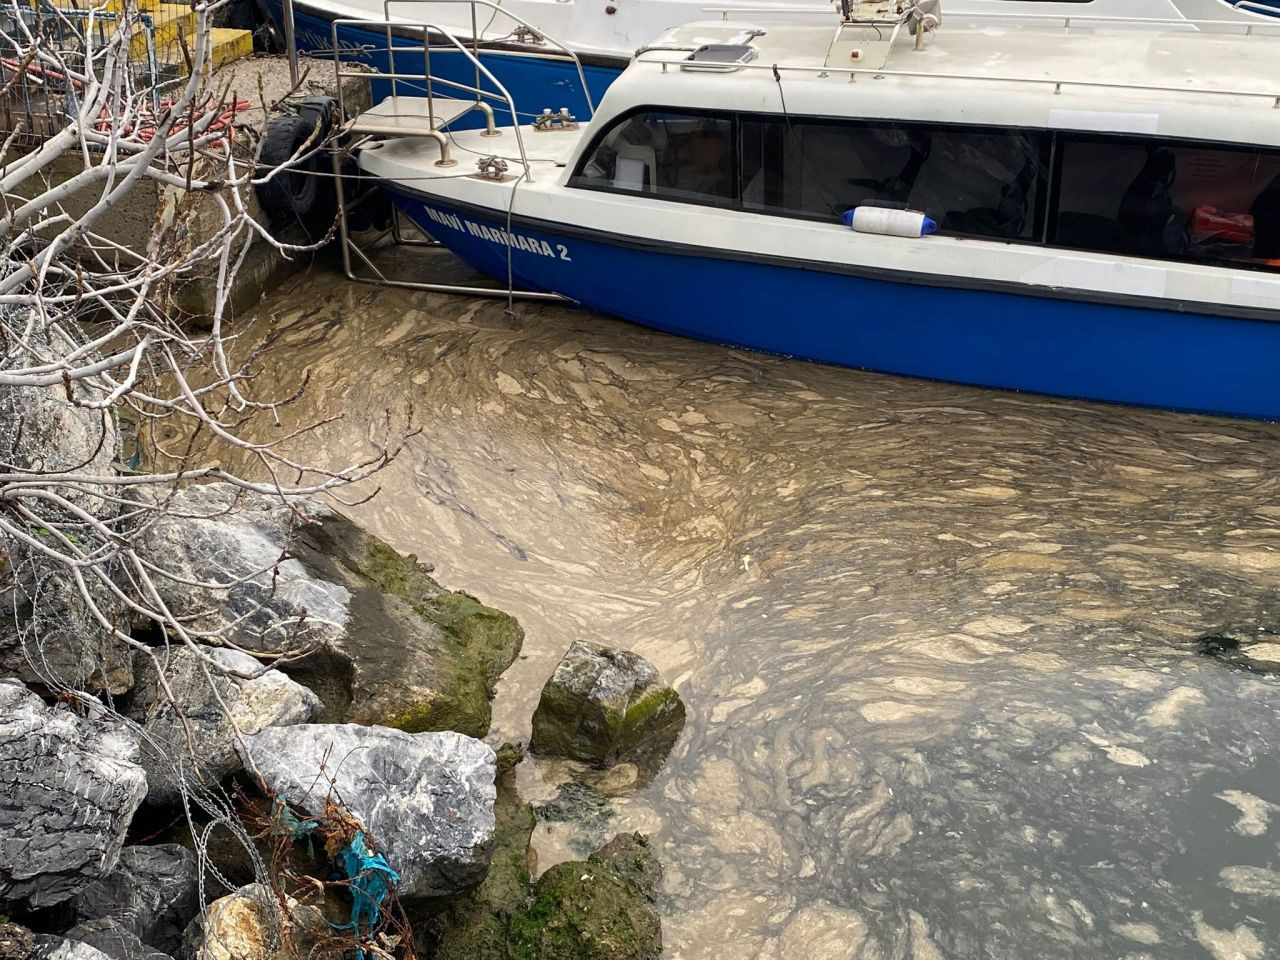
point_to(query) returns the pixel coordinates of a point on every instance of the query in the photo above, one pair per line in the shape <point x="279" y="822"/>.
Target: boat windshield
<point x="671" y="155"/>
<point x="1126" y="194"/>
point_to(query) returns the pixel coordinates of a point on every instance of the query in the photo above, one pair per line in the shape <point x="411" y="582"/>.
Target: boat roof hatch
<point x="721" y="56"/>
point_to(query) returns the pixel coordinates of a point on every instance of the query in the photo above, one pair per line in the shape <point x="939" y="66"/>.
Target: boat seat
<point x="636" y="168"/>
<point x="1266" y="220"/>
<point x="1152" y="223"/>
<point x="408" y="116"/>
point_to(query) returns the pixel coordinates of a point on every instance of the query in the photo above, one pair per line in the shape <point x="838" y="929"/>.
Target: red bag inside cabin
<point x="1211" y="226"/>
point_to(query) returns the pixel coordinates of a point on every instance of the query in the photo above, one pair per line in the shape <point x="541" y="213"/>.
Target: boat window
<point x="1168" y="200"/>
<point x="672" y="155"/>
<point x="985" y="183"/>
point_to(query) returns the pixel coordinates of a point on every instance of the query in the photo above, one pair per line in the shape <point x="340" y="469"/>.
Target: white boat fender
<point x="889" y="222"/>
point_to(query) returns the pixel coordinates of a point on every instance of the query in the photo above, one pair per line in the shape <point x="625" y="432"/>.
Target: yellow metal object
<point x="230" y="44"/>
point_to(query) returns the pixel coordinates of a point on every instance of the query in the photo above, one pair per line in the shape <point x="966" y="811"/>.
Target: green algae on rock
<point x="595" y="910"/>
<point x="602" y="706"/>
<point x="598" y="909"/>
<point x="474" y="926"/>
<point x="415" y="657"/>
<point x="366" y="629"/>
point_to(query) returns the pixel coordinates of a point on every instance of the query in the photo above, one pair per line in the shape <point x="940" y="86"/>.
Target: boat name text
<point x="516" y="241"/>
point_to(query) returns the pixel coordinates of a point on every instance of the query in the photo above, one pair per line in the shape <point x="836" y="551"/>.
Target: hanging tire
<point x="302" y="193"/>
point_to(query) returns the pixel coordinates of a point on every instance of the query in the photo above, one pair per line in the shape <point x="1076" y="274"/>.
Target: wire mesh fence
<point x="49" y="52"/>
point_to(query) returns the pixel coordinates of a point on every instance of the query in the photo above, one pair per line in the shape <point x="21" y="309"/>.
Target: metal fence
<point x="47" y="50"/>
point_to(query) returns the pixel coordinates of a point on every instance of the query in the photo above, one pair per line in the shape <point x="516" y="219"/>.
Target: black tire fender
<point x="302" y="193"/>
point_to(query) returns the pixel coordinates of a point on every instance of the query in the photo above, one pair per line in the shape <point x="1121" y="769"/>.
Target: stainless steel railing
<point x="549" y="43"/>
<point x="423" y="115"/>
<point x="1065" y="20"/>
<point x="646" y="54"/>
<point x="434" y="124"/>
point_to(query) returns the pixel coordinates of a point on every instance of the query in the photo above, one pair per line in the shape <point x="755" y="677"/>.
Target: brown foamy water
<point x="936" y="642"/>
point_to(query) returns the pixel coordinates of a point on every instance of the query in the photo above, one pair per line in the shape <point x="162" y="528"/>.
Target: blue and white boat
<point x="1073" y="210"/>
<point x="518" y="40"/>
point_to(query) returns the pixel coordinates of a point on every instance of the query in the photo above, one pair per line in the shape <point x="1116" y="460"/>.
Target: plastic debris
<point x="369" y="874"/>
<point x="371" y="881"/>
<point x="284" y="820"/>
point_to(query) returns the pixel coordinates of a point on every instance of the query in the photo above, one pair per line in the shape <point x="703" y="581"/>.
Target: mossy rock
<point x="474" y="925"/>
<point x="586" y="912"/>
<point x="603" y="706"/>
<point x="414" y="656"/>
<point x="598" y="909"/>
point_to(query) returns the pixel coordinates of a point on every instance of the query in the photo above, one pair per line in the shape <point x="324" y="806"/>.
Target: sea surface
<point x="938" y="644"/>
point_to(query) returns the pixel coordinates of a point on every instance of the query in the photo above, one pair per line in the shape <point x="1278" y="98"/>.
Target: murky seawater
<point x="936" y="642"/>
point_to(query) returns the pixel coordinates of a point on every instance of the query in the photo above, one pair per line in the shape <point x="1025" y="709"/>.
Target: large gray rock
<point x="387" y="645"/>
<point x="268" y="698"/>
<point x="69" y="788"/>
<point x="114" y="939"/>
<point x="62" y="948"/>
<point x="249" y="925"/>
<point x="43" y="430"/>
<point x="49" y="635"/>
<point x="217" y="534"/>
<point x="426" y="799"/>
<point x="602" y="706"/>
<point x="153" y="892"/>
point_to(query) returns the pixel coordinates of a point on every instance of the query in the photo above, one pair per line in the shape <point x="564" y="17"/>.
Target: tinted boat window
<point x="1169" y="200"/>
<point x="972" y="182"/>
<point x="672" y="155"/>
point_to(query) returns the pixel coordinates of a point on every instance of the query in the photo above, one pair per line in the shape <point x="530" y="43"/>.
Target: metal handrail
<point x="427" y="29"/>
<point x="786" y="8"/>
<point x="343" y="147"/>
<point x="1066" y="18"/>
<point x="290" y="43"/>
<point x="1261" y="9"/>
<point x="854" y="72"/>
<point x="440" y="81"/>
<point x="1063" y="18"/>
<point x="498" y="8"/>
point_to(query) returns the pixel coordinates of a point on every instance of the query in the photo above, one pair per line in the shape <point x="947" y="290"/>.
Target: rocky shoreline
<point x="304" y="775"/>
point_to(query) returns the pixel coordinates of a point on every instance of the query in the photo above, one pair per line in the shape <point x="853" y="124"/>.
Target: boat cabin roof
<point x="1214" y="81"/>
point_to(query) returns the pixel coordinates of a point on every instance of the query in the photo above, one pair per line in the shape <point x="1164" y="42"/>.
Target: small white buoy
<point x="890" y="223"/>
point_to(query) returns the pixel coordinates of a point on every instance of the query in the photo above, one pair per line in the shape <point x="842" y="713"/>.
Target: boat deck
<point x="1166" y="79"/>
<point x="1230" y="58"/>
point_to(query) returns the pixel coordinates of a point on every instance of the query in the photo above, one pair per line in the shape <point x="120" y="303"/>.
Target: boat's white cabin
<point x="1221" y="85"/>
<point x="1158" y="144"/>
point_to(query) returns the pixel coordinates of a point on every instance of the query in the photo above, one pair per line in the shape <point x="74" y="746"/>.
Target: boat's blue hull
<point x="533" y="82"/>
<point x="1074" y="348"/>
